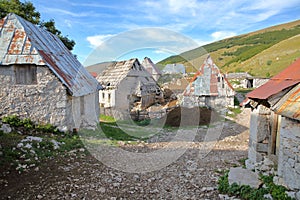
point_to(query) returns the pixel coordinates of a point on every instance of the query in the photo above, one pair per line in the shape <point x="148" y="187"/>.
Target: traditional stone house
<point x="245" y="80"/>
<point x="42" y="80"/>
<point x="175" y="68"/>
<point x="254" y="82"/>
<point x="151" y="68"/>
<point x="127" y="87"/>
<point x="209" y="87"/>
<point x="275" y="125"/>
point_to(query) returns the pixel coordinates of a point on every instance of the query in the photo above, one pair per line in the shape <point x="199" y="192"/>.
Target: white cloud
<point x="190" y="14"/>
<point x="97" y="40"/>
<point x="219" y="35"/>
<point x="136" y="40"/>
<point x="68" y="23"/>
<point x="161" y="51"/>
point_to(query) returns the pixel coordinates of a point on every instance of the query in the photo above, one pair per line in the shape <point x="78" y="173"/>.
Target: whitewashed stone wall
<point x="47" y="101"/>
<point x="289" y="153"/>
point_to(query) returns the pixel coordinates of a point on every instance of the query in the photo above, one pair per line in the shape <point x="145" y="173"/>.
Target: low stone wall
<point x="211" y="102"/>
<point x="289" y="153"/>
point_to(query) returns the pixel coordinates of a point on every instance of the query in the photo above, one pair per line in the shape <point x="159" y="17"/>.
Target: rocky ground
<point x="78" y="175"/>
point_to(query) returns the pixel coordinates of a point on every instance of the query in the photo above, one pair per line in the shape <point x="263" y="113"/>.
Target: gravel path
<point x="78" y="175"/>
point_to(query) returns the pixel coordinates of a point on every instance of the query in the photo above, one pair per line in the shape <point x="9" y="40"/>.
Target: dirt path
<point x="81" y="176"/>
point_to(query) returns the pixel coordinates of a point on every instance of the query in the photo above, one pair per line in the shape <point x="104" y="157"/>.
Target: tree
<point x="27" y="11"/>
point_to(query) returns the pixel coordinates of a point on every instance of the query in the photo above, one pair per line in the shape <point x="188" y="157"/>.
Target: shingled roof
<point x="112" y="76"/>
<point x="150" y="66"/>
<point x="22" y="42"/>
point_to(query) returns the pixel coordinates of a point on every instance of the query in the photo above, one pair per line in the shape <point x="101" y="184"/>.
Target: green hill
<point x="261" y="53"/>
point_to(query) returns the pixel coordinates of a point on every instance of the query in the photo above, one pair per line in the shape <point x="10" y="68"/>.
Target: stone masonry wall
<point x="44" y="102"/>
<point x="289" y="153"/>
<point x="259" y="135"/>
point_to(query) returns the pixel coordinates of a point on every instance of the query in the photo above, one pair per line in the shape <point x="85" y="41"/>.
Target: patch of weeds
<point x="242" y="161"/>
<point x="277" y="191"/>
<point x="144" y="122"/>
<point x="105" y="118"/>
<point x="28" y="124"/>
<point x="244" y="91"/>
<point x="112" y="131"/>
<point x="70" y="142"/>
<point x="47" y="128"/>
<point x="233" y="112"/>
<point x="246" y="192"/>
<point x="30" y="144"/>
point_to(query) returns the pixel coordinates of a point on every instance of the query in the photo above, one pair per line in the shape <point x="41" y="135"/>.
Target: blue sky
<point x="91" y="22"/>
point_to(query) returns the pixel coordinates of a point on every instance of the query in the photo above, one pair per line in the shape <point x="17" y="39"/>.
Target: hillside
<point x="261" y="53"/>
<point x="99" y="67"/>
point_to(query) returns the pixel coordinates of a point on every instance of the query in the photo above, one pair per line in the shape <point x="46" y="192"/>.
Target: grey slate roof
<point x="22" y="42"/>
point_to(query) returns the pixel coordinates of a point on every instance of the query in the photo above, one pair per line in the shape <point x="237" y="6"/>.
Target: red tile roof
<point x="285" y="79"/>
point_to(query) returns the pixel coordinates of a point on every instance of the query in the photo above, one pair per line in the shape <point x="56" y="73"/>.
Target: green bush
<point x="28" y="124"/>
<point x="246" y="192"/>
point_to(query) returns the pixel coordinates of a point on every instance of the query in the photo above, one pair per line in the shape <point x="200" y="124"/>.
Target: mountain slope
<point x="243" y="52"/>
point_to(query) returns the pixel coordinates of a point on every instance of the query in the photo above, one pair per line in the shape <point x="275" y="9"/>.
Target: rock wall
<point x="289" y="153"/>
<point x="47" y="101"/>
<point x="211" y="102"/>
<point x="259" y="135"/>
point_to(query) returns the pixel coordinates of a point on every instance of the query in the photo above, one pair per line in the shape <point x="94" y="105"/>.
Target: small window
<point x="82" y="105"/>
<point x="109" y="96"/>
<point x="25" y="74"/>
<point x="103" y="95"/>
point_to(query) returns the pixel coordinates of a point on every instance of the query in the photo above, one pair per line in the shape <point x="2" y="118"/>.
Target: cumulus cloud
<point x="219" y="35"/>
<point x="97" y="40"/>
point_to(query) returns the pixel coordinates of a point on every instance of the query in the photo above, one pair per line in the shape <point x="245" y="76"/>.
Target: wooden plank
<point x="274" y="130"/>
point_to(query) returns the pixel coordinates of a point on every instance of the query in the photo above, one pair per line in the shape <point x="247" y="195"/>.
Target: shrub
<point x="246" y="192"/>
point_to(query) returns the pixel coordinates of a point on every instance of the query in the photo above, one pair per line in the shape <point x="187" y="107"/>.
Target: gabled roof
<point x="22" y="42"/>
<point x="150" y="66"/>
<point x="205" y="81"/>
<point x="289" y="104"/>
<point x="282" y="92"/>
<point x="285" y="79"/>
<point x="115" y="73"/>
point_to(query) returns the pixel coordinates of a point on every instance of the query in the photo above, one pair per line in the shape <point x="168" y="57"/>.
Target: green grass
<point x="235" y="111"/>
<point x="16" y="156"/>
<point x="246" y="192"/>
<point x="106" y="118"/>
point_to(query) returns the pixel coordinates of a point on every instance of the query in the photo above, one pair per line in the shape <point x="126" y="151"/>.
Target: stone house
<point x="175" y="68"/>
<point x="245" y="80"/>
<point x="128" y="87"/>
<point x="275" y="126"/>
<point x="151" y="68"/>
<point x="209" y="87"/>
<point x="42" y="80"/>
<point x="254" y="82"/>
